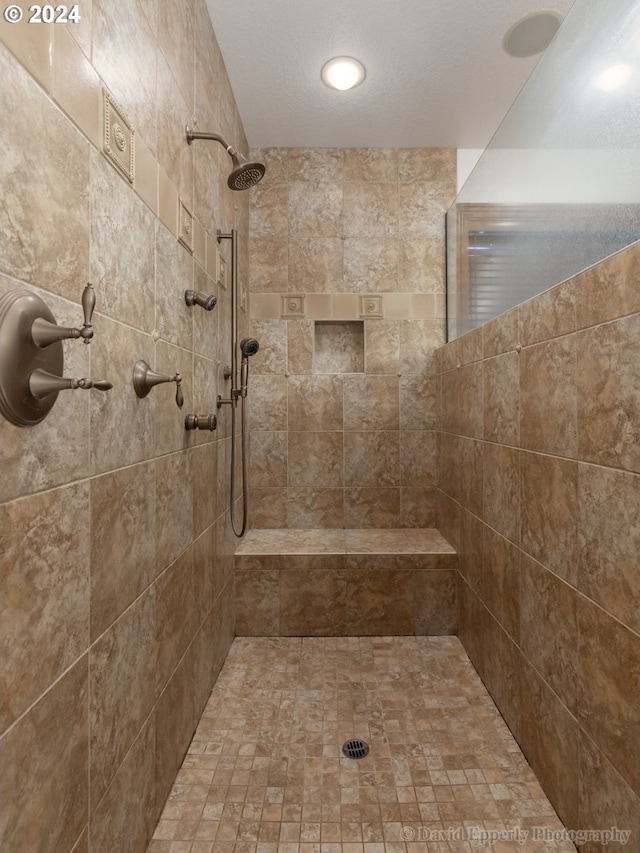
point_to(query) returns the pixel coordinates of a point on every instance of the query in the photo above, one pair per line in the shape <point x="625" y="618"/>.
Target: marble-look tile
<point x="122" y="249"/>
<point x="604" y="799"/>
<point x="315" y="164"/>
<point x="315" y="402"/>
<point x="396" y="542"/>
<point x="32" y="47"/>
<point x="124" y="53"/>
<point x="370" y="210"/>
<point x="310" y="507"/>
<point x="204" y="464"/>
<point x="267" y="402"/>
<point x="499" y="588"/>
<point x="609" y="541"/>
<point x="548" y="397"/>
<point x="608" y="688"/>
<point x="427" y="164"/>
<point x="272" y="355"/>
<point x="276" y="162"/>
<point x="338" y="347"/>
<point x="470" y="347"/>
<point x="268" y="459"/>
<point x="123" y="556"/>
<point x="370" y="265"/>
<point x="501" y="334"/>
<point x="379" y="165"/>
<point x="372" y="507"/>
<point x="125" y="817"/>
<point x="300" y="338"/>
<point x="502" y="672"/>
<point x="449" y="388"/>
<point x="46" y="232"/>
<point x="176" y="39"/>
<point x="379" y="602"/>
<point x="610" y="289"/>
<point x="43" y="785"/>
<point x="448" y="519"/>
<point x="314" y="209"/>
<point x="422" y="207"/>
<point x="418" y="341"/>
<point x="122" y="425"/>
<point x="469" y="457"/>
<point x="471" y="414"/>
<point x="549" y="628"/>
<point x="174" y="155"/>
<point x="418" y="507"/>
<point x="501" y="580"/>
<point x="315" y="265"/>
<point x="549" y="512"/>
<point x="435" y="603"/>
<point x="268" y="508"/>
<point x="502" y="399"/>
<point x="316" y="459"/>
<point x="44" y="600"/>
<point x="257" y="603"/>
<point x="175" y="622"/>
<point x="269" y="211"/>
<point x="550" y="314"/>
<point x="608" y="389"/>
<point x="80" y="99"/>
<point x="501" y="490"/>
<point x="422" y="265"/>
<point x="371" y="402"/>
<point x="418" y="402"/>
<point x="382" y="346"/>
<point x="169" y="432"/>
<point x="550" y="740"/>
<point x="206" y="324"/>
<point x="122" y="690"/>
<point x="269" y="266"/>
<point x="371" y="458"/>
<point x="174" y="274"/>
<point x="418" y="458"/>
<point x="175" y="722"/>
<point x="279" y="542"/>
<point x="174" y="507"/>
<point x="313" y="603"/>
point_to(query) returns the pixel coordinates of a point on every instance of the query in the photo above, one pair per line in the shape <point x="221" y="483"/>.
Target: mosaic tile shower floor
<point x="265" y="771"/>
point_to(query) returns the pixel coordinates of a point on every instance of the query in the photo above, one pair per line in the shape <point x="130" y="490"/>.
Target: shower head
<point x="249" y="346"/>
<point x="244" y="174"/>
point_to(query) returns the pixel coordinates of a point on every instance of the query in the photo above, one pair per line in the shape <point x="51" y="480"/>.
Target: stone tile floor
<point x="265" y="771"/>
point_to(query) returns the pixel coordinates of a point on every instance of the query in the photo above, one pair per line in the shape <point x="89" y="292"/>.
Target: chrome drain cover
<point x="355" y="748"/>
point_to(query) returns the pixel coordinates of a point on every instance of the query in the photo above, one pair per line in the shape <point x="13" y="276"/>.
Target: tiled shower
<point x="117" y="605"/>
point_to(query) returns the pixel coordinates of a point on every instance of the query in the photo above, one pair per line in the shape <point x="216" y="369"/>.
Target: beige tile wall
<point x="539" y="478"/>
<point x="359" y="235"/>
<point x="116" y="559"/>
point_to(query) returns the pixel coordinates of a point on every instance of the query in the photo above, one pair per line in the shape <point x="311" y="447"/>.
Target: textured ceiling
<point x="437" y="74"/>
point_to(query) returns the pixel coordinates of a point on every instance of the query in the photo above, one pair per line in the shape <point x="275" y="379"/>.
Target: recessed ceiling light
<point x="531" y="34"/>
<point x="614" y="77"/>
<point x="343" y="72"/>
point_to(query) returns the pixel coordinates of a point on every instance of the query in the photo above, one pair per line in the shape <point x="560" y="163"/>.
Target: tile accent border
<point x="118" y="141"/>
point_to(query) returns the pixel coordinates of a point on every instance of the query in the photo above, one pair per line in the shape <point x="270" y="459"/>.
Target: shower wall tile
<point x="47" y="233"/>
<point x="418" y="458"/>
<point x="418" y="507"/>
<point x="548" y="397"/>
<point x="316" y="459"/>
<point x="379" y="602"/>
<point x="371" y="402"/>
<point x="549" y="551"/>
<point x="269" y="508"/>
<point x="422" y="207"/>
<point x="114" y="468"/>
<point x="372" y="507"/>
<point x="267" y="404"/>
<point x="379" y="165"/>
<point x="315" y="508"/>
<point x="43" y="788"/>
<point x="427" y="164"/>
<point x="258" y="601"/>
<point x="418" y="402"/>
<point x="314" y="209"/>
<point x="608" y="371"/>
<point x="269" y="206"/>
<point x="313" y="603"/>
<point x="122" y="689"/>
<point x="371" y="210"/>
<point x="501" y="399"/>
<point x="175" y="615"/>
<point x="382" y="346"/>
<point x="315" y="164"/>
<point x="268" y="468"/>
<point x="371" y="458"/>
<point x="435" y="602"/>
<point x="44" y="601"/>
<point x="123" y="553"/>
<point x="315" y="265"/>
<point x="609" y="543"/>
<point x="370" y="264"/>
<point x="272" y="356"/>
<point x="421" y="266"/>
<point x="315" y="402"/>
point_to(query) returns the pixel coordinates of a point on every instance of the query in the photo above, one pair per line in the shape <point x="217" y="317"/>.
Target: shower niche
<point x="338" y="346"/>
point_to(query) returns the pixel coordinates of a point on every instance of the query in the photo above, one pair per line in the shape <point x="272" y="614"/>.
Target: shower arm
<point x="195" y="134"/>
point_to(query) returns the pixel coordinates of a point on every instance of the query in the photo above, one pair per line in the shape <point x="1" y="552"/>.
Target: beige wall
<point x="540" y="492"/>
<point x="116" y="578"/>
<point x="347" y="235"/>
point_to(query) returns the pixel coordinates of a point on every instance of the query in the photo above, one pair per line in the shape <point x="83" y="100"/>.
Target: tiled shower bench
<point x="345" y="583"/>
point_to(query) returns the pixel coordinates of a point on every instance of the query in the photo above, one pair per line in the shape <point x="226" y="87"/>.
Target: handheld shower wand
<point x="248" y="347"/>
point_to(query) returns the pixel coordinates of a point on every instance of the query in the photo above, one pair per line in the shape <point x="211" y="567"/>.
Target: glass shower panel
<point x="558" y="187"/>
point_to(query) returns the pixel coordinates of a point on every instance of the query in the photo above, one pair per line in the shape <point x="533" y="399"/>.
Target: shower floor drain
<point x="355" y="748"/>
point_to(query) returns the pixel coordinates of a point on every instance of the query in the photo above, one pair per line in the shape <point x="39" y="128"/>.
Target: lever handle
<point x="209" y="422"/>
<point x="41" y="384"/>
<point x="144" y="379"/>
<point x="44" y="333"/>
<point x="179" y="397"/>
